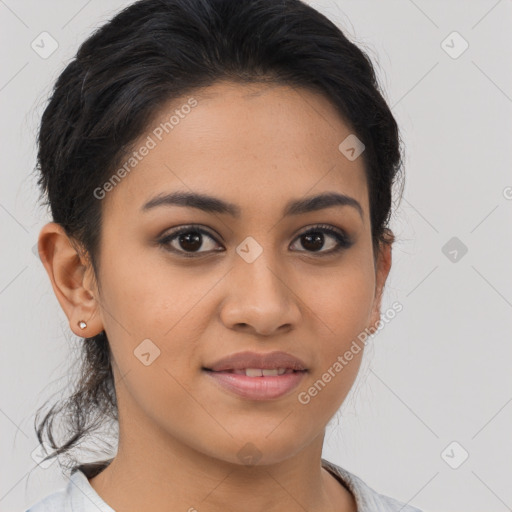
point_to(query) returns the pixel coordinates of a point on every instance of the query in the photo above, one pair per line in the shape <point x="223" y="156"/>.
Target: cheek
<point x="153" y="309"/>
<point x="341" y="306"/>
<point x="342" y="311"/>
<point x="341" y="300"/>
<point x="141" y="295"/>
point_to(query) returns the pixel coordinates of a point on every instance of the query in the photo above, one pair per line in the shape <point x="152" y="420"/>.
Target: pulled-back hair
<point x="157" y="50"/>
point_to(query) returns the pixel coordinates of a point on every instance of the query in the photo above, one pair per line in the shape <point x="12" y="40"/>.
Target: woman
<point x="220" y="180"/>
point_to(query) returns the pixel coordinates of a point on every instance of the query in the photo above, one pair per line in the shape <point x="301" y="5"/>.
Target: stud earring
<point x="82" y="324"/>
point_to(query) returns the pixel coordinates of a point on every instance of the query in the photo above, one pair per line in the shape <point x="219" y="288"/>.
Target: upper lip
<point x="267" y="361"/>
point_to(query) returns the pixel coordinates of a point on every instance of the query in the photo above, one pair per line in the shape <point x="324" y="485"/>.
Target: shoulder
<point x="367" y="499"/>
<point x="78" y="496"/>
<point x="56" y="502"/>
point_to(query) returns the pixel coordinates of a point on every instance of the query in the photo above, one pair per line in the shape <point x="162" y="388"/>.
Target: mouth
<point x="258" y="372"/>
<point x="257" y="383"/>
<point x="257" y="376"/>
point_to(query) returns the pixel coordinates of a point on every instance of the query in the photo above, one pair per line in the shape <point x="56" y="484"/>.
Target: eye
<point x="188" y="240"/>
<point x="314" y="239"/>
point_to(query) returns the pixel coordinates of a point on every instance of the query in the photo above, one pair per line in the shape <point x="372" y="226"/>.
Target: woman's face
<point x="247" y="282"/>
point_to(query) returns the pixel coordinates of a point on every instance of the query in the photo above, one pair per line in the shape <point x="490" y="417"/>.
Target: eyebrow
<point x="212" y="204"/>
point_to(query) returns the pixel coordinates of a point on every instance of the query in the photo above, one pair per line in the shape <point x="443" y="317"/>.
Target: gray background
<point x="440" y="371"/>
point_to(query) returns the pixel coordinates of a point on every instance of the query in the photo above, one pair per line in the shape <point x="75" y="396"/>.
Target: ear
<point x="72" y="279"/>
<point x="382" y="268"/>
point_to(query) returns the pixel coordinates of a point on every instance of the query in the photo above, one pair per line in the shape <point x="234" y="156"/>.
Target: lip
<point x="257" y="388"/>
<point x="266" y="361"/>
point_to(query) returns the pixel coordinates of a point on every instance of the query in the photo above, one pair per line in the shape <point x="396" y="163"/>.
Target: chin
<point x="262" y="451"/>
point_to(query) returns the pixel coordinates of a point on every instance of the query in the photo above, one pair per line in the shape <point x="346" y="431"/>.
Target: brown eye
<point x="314" y="240"/>
<point x="192" y="241"/>
<point x="188" y="240"/>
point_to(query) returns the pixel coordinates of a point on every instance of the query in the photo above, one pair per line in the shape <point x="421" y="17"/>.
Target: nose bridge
<point x="257" y="294"/>
<point x="256" y="271"/>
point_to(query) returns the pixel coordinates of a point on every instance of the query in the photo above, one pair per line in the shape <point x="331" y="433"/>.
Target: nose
<point x="259" y="300"/>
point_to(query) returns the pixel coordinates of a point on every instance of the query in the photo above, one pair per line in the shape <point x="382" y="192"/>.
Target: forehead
<point x="253" y="144"/>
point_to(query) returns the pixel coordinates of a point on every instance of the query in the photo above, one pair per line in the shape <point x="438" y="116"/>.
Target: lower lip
<point x="258" y="388"/>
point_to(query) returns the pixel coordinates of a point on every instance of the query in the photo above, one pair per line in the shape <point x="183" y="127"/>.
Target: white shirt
<point x="79" y="496"/>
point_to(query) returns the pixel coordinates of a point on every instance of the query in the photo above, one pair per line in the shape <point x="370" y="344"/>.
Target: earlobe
<point x="67" y="270"/>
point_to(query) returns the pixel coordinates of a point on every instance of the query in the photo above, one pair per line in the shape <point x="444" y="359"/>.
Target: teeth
<point x="258" y="372"/>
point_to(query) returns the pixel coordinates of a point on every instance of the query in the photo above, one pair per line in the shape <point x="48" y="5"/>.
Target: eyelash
<point x="344" y="242"/>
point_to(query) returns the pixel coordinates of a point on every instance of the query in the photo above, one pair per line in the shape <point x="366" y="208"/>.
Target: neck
<point x="175" y="477"/>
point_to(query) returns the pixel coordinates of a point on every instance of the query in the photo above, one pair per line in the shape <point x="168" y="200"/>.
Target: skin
<point x="257" y="146"/>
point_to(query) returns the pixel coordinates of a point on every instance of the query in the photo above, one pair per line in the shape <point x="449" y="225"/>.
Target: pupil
<point x="314" y="241"/>
<point x="190" y="241"/>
